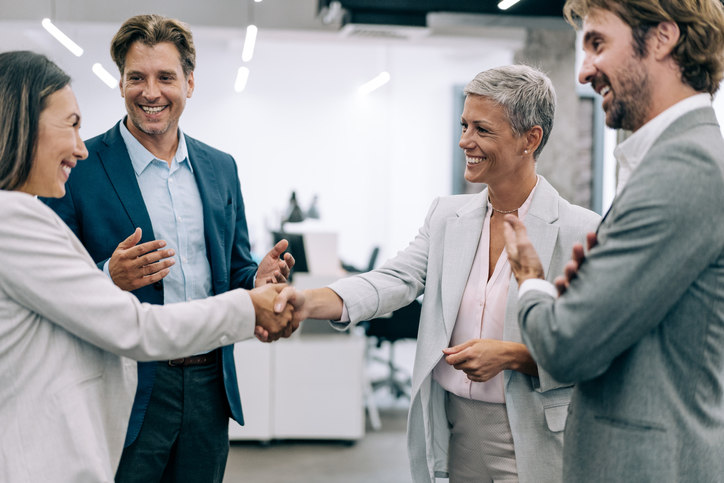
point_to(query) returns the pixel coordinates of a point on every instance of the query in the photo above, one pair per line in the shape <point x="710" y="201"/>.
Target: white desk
<point x="309" y="386"/>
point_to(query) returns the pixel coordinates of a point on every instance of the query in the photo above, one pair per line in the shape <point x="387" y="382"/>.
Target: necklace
<point x="503" y="212"/>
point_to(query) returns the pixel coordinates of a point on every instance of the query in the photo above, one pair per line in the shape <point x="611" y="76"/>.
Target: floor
<point x="379" y="457"/>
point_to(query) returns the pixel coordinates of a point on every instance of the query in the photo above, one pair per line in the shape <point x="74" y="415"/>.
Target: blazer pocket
<point x="556" y="417"/>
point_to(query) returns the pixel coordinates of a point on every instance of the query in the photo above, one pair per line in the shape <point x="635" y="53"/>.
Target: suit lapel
<point x="211" y="198"/>
<point x="543" y="234"/>
<point x="462" y="236"/>
<point x="117" y="165"/>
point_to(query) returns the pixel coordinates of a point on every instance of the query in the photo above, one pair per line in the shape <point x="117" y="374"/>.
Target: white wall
<point x="375" y="162"/>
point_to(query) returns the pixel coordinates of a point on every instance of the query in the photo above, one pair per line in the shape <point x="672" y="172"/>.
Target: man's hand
<point x="521" y="255"/>
<point x="273" y="269"/>
<point x="271" y="324"/>
<point x="483" y="359"/>
<point x="570" y="271"/>
<point x="288" y="297"/>
<point x="134" y="266"/>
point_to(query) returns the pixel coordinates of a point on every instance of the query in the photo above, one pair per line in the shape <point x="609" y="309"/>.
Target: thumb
<point x="132" y="240"/>
<point x="285" y="296"/>
<point x="457" y="348"/>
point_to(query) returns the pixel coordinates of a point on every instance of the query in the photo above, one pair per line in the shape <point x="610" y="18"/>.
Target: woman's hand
<point x="483" y="359"/>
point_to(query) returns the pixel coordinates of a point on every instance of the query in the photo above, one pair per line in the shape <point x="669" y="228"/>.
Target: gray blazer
<point x="65" y="388"/>
<point x="437" y="263"/>
<point x="641" y="330"/>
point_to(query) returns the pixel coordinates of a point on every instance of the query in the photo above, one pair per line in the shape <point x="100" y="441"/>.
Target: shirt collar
<point x="142" y="157"/>
<point x="631" y="152"/>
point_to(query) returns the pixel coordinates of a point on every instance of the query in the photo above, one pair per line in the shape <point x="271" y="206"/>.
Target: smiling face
<point x="493" y="153"/>
<point x="59" y="146"/>
<point x="614" y="70"/>
<point x="155" y="89"/>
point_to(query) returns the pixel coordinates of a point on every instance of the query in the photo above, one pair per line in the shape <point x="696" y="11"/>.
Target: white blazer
<point x="66" y="386"/>
<point x="437" y="263"/>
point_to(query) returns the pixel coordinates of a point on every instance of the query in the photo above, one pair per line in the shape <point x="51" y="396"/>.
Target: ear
<point x="190" y="81"/>
<point x="663" y="39"/>
<point x="532" y="139"/>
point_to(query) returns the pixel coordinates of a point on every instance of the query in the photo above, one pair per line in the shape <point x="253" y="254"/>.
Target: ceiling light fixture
<point x="105" y="76"/>
<point x="61" y="37"/>
<point x="506" y="4"/>
<point x="249" y="43"/>
<point x="242" y="76"/>
<point x="381" y="79"/>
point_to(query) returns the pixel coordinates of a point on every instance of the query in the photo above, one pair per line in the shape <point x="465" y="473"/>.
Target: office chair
<point x="402" y="324"/>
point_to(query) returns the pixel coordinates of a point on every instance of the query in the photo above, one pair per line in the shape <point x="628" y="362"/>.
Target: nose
<point x="151" y="90"/>
<point x="466" y="140"/>
<point x="80" y="150"/>
<point x="588" y="70"/>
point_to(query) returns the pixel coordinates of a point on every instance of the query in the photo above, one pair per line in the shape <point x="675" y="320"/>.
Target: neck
<point x="163" y="146"/>
<point x="510" y="195"/>
<point x="667" y="91"/>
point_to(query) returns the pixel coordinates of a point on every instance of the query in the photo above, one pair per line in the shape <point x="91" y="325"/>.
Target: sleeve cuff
<point x="345" y="314"/>
<point x="105" y="268"/>
<point x="539" y="285"/>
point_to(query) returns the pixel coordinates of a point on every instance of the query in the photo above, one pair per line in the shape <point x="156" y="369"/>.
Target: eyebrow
<point x="588" y="36"/>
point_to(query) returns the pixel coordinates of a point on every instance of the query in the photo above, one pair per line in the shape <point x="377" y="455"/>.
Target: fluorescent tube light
<point x="242" y="75"/>
<point x="381" y="79"/>
<point x="506" y="4"/>
<point x="249" y="43"/>
<point x="61" y="37"/>
<point x="104" y="75"/>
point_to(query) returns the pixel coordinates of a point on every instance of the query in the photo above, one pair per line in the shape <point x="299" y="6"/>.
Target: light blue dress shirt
<point x="174" y="205"/>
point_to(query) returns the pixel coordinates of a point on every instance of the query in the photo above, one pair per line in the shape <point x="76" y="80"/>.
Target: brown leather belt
<point x="199" y="360"/>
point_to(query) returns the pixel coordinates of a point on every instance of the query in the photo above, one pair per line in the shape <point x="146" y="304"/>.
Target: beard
<point x="156" y="131"/>
<point x="631" y="98"/>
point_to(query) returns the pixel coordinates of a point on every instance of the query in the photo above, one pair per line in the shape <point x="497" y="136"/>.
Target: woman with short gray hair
<point x="481" y="410"/>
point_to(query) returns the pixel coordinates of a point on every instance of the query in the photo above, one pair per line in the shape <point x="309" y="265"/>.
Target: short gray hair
<point x="526" y="94"/>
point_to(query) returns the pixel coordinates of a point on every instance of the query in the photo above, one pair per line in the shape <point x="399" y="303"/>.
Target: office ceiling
<point x="310" y="15"/>
<point x="415" y="12"/>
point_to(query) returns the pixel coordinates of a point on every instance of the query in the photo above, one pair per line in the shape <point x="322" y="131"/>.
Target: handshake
<point x="278" y="311"/>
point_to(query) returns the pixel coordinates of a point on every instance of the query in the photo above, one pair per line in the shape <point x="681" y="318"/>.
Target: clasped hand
<point x="480" y="359"/>
<point x="271" y="324"/>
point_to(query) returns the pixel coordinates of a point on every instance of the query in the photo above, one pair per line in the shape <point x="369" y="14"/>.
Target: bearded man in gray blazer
<point x="474" y="384"/>
<point x="640" y="327"/>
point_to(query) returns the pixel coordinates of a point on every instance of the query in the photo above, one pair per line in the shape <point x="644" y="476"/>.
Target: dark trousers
<point x="185" y="432"/>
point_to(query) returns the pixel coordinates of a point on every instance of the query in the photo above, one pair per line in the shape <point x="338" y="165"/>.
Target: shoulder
<point x="574" y="215"/>
<point x="453" y="203"/>
<point x="197" y="147"/>
<point x="19" y="210"/>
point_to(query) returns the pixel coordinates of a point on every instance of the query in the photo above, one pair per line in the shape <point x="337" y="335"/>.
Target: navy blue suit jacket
<point x="103" y="205"/>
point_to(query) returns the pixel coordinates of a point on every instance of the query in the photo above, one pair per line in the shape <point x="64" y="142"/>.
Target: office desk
<point x="309" y="386"/>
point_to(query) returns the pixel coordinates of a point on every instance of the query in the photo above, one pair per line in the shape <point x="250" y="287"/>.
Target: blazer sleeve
<point x="395" y="284"/>
<point x="46" y="271"/>
<point x="660" y="234"/>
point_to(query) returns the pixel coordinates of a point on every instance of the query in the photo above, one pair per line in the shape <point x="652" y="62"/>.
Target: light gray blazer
<point x="438" y="263"/>
<point x="642" y="328"/>
<point x="65" y="389"/>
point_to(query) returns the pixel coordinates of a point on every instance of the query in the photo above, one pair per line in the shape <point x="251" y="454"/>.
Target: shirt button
<point x="178" y="218"/>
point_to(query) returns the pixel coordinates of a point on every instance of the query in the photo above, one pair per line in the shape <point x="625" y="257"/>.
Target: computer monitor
<point x="296" y="248"/>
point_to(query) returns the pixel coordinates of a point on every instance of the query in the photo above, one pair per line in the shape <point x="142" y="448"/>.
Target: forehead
<point x="161" y="56"/>
<point x="60" y="104"/>
<point x="481" y="108"/>
<point x="604" y="22"/>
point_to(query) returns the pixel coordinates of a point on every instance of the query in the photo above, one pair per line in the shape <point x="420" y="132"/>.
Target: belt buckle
<point x="176" y="362"/>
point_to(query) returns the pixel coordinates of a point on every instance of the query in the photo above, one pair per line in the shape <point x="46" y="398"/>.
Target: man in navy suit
<point x="181" y="203"/>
